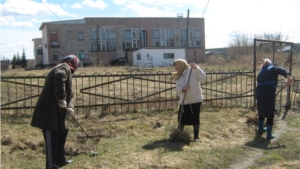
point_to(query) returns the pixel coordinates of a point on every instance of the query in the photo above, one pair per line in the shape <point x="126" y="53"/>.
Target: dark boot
<point x="261" y="127"/>
<point x="196" y="135"/>
<point x="269" y="132"/>
<point x="60" y="155"/>
<point x="53" y="167"/>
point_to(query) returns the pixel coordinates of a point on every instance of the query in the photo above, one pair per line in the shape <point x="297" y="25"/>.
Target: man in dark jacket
<point x="51" y="109"/>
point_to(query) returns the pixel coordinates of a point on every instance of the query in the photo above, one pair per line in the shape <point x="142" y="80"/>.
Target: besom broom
<point x="178" y="134"/>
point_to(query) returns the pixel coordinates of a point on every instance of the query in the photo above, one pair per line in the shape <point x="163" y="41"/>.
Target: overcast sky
<point x="20" y="19"/>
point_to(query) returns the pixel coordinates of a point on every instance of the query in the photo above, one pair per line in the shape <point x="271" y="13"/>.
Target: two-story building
<point x="99" y="40"/>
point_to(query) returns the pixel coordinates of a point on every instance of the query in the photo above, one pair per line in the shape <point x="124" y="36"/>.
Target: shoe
<point x="63" y="163"/>
<point x="196" y="139"/>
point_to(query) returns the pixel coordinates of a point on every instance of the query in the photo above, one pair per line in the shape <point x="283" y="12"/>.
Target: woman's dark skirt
<point x="265" y="96"/>
<point x="190" y="114"/>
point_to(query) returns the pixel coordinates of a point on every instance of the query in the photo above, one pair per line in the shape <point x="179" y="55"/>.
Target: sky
<point x="21" y="19"/>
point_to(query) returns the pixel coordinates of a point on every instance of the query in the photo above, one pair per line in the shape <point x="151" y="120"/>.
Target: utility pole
<point x="97" y="48"/>
<point x="140" y="35"/>
<point x="187" y="34"/>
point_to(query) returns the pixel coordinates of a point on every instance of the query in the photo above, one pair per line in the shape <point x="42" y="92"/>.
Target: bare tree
<point x="242" y="45"/>
<point x="277" y="36"/>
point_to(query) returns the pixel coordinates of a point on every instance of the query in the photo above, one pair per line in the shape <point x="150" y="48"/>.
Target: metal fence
<point x="130" y="92"/>
<point x="4" y="65"/>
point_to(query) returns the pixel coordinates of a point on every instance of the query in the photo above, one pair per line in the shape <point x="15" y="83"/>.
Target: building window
<point x="39" y="51"/>
<point x="138" y="56"/>
<point x="133" y="38"/>
<point x="163" y="37"/>
<point x="168" y="55"/>
<point x="80" y="36"/>
<point x="106" y="40"/>
<point x="194" y="38"/>
<point x="55" y="56"/>
<point x="93" y="40"/>
<point x="81" y="54"/>
<point x="53" y="39"/>
<point x="54" y="36"/>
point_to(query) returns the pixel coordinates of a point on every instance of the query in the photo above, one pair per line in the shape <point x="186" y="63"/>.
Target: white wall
<point x="45" y="50"/>
<point x="156" y="57"/>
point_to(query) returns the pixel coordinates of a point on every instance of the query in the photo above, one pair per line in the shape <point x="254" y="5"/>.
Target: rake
<point x="288" y="104"/>
<point x="83" y="129"/>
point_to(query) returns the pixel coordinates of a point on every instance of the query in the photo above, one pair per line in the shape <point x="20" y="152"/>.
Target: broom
<point x="177" y="134"/>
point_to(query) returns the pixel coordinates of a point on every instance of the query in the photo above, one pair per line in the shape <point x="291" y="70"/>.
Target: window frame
<point x="138" y="56"/>
<point x="133" y="38"/>
<point x="80" y="35"/>
<point x="81" y="53"/>
<point x="55" y="56"/>
<point x="163" y="37"/>
<point x="195" y="42"/>
<point x="169" y="55"/>
<point x="54" y="36"/>
<point x="107" y="40"/>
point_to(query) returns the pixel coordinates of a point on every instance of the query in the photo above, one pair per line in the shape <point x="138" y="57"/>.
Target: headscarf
<point x="72" y="61"/>
<point x="181" y="66"/>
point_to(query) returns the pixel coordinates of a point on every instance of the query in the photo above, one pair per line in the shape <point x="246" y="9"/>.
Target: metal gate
<point x="133" y="92"/>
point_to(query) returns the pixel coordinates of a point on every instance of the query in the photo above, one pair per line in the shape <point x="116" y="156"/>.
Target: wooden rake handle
<point x="282" y="88"/>
<point x="181" y="110"/>
<point x="77" y="122"/>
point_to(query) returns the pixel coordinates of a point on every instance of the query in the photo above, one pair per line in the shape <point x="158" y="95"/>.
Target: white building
<point x="157" y="57"/>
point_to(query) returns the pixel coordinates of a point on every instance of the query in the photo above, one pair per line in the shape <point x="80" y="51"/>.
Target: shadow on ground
<point x="167" y="144"/>
<point x="260" y="142"/>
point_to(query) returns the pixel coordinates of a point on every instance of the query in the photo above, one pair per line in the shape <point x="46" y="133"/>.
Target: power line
<point x="50" y="10"/>
<point x="205" y="8"/>
<point x="17" y="49"/>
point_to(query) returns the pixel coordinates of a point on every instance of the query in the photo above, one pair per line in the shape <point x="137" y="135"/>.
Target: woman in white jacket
<point x="190" y="87"/>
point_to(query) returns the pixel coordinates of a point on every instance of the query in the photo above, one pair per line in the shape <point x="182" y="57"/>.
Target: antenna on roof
<point x="179" y="15"/>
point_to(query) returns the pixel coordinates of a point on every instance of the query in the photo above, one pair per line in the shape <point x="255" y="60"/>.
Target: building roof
<point x="77" y="21"/>
<point x="33" y="39"/>
<point x="83" y="21"/>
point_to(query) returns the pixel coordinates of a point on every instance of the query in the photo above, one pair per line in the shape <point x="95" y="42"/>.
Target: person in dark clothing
<point x="190" y="87"/>
<point x="53" y="105"/>
<point x="265" y="94"/>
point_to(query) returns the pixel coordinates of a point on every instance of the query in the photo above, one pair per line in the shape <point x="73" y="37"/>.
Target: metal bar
<point x="102" y="84"/>
<point x="16" y="101"/>
<point x="254" y="72"/>
<point x="109" y="97"/>
<point x="271" y="41"/>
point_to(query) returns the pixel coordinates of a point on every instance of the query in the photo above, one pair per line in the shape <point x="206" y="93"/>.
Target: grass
<point x="136" y="141"/>
<point x="287" y="152"/>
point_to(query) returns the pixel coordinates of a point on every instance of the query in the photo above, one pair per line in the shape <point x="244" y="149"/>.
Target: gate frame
<point x="274" y="43"/>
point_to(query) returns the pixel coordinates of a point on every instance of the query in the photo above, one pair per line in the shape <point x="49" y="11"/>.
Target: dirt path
<point x="258" y="145"/>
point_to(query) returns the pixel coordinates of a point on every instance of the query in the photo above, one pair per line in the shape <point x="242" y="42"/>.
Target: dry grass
<point x="142" y="139"/>
<point x="137" y="141"/>
<point x="131" y="141"/>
